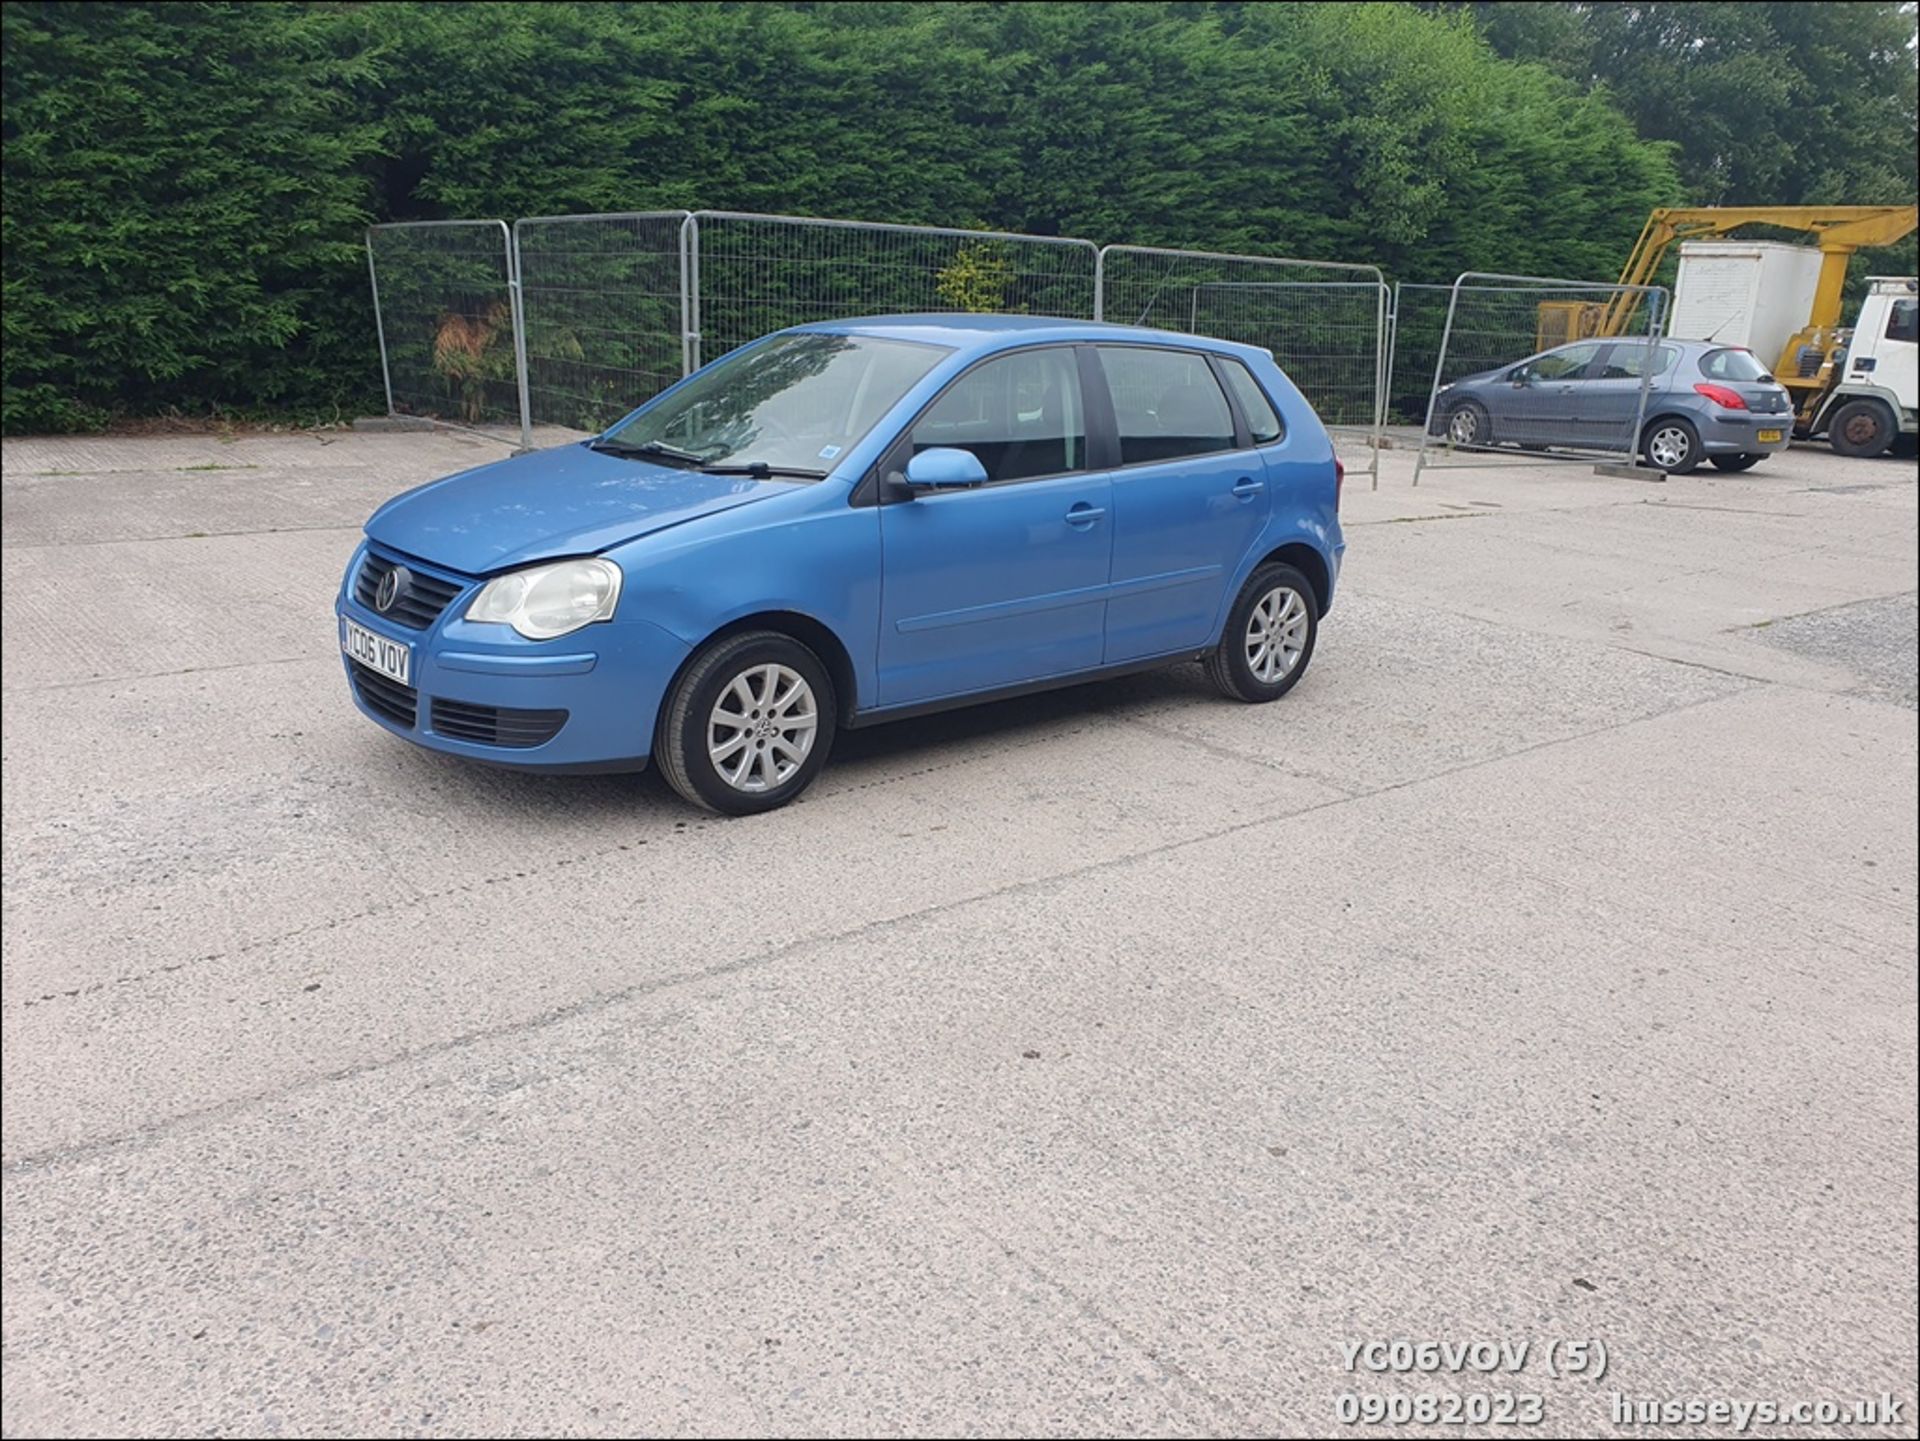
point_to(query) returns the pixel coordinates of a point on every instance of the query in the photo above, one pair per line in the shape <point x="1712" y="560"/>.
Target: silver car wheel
<point x="762" y="728"/>
<point x="1669" y="447"/>
<point x="1463" y="427"/>
<point x="1276" y="634"/>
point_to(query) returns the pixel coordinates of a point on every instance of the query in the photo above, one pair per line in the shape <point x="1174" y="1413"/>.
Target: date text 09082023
<point x="1476" y="1408"/>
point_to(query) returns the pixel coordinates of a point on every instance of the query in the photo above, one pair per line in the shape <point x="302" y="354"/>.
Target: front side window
<point x="1166" y="404"/>
<point x="1020" y="414"/>
<point x="1263" y="424"/>
<point x="1903" y="320"/>
<point x="1732" y="365"/>
<point x="1565" y="364"/>
<point x="793" y="402"/>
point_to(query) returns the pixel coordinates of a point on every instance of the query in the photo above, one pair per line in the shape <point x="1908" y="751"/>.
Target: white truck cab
<point x="1875" y="374"/>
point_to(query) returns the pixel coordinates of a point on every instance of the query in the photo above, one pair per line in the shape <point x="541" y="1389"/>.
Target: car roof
<point x="979" y="334"/>
<point x="1687" y="345"/>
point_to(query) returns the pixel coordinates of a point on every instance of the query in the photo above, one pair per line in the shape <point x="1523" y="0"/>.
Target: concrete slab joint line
<point x="758" y="960"/>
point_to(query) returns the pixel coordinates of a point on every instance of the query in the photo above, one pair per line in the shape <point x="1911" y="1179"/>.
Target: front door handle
<point x="1085" y="515"/>
<point x="1247" y="487"/>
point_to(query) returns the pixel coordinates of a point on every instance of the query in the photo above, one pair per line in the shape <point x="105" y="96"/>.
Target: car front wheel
<point x="1672" y="445"/>
<point x="1269" y="636"/>
<point x="1861" y="428"/>
<point x="1469" y="425"/>
<point x="748" y="725"/>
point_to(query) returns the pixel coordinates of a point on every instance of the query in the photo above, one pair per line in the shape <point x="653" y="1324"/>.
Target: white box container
<point x="1755" y="293"/>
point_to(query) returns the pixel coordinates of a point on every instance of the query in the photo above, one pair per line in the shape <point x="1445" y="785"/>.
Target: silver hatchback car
<point x="1705" y="402"/>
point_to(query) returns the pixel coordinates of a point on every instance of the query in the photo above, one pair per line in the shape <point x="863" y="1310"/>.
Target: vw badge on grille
<point x="393" y="585"/>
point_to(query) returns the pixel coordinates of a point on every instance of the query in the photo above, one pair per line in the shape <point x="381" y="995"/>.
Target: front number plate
<point x="391" y="658"/>
<point x="1769" y="437"/>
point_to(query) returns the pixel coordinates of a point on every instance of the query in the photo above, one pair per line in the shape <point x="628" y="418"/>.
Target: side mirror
<point x="943" y="467"/>
<point x="1521" y="378"/>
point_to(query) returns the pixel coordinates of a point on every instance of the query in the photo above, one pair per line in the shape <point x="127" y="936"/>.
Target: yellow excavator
<point x="1806" y="367"/>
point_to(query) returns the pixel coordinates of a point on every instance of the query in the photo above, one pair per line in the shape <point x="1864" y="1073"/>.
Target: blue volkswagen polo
<point x="849" y="523"/>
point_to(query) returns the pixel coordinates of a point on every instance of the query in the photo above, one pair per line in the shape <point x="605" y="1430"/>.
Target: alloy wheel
<point x="762" y="728"/>
<point x="1276" y="634"/>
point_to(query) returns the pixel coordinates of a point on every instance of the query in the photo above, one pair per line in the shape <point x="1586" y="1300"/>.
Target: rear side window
<point x="1629" y="362"/>
<point x="1732" y="365"/>
<point x="1262" y="421"/>
<point x="1166" y="404"/>
<point x="1020" y="414"/>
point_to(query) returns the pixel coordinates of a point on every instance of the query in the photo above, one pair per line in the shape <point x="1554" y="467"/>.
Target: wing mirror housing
<point x="943" y="468"/>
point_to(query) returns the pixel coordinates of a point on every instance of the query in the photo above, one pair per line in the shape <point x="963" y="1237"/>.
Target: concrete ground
<point x="1542" y="969"/>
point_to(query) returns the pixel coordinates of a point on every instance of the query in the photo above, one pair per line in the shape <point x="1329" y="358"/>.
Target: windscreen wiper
<point x="650" y="450"/>
<point x="761" y="470"/>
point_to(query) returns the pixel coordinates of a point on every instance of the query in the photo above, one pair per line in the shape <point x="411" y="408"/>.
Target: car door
<point x="1189" y="495"/>
<point x="1003" y="583"/>
<point x="1539" y="406"/>
<point x="1608" y="397"/>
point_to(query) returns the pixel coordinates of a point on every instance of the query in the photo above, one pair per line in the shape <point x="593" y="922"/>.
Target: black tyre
<point x="1468" y="424"/>
<point x="748" y="725"/>
<point x="1673" y="445"/>
<point x="1269" y="636"/>
<point x="1735" y="462"/>
<point x="1861" y="427"/>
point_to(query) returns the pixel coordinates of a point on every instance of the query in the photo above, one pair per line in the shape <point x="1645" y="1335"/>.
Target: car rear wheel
<point x="1736" y="462"/>
<point x="748" y="725"/>
<point x="1269" y="636"/>
<point x="1468" y="424"/>
<point x="1672" y="445"/>
<point x="1861" y="427"/>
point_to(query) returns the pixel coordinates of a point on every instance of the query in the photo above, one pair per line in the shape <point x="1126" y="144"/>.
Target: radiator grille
<point x="398" y="703"/>
<point x="421" y="598"/>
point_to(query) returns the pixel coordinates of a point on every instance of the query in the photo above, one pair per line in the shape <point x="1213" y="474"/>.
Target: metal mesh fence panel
<point x="443" y="302"/>
<point x="1419" y="319"/>
<point x="757" y="273"/>
<point x="573" y="320"/>
<point x="604" y="300"/>
<point x="1520" y="372"/>
<point x="1324" y="321"/>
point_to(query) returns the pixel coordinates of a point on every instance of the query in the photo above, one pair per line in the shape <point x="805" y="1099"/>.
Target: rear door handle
<point x="1085" y="515"/>
<point x="1247" y="487"/>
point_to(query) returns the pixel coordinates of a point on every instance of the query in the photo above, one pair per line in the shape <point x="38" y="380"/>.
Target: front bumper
<point x="470" y="680"/>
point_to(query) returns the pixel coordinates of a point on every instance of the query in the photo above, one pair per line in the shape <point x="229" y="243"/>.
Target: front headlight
<point x="545" y="601"/>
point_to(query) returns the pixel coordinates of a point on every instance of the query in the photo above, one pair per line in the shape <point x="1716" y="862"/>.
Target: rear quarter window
<point x="1263" y="422"/>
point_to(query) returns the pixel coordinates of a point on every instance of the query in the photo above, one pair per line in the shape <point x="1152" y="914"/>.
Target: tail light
<point x="1721" y="396"/>
<point x="1339" y="481"/>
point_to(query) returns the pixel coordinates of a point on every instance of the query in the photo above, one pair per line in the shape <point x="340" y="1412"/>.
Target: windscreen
<point x="794" y="402"/>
